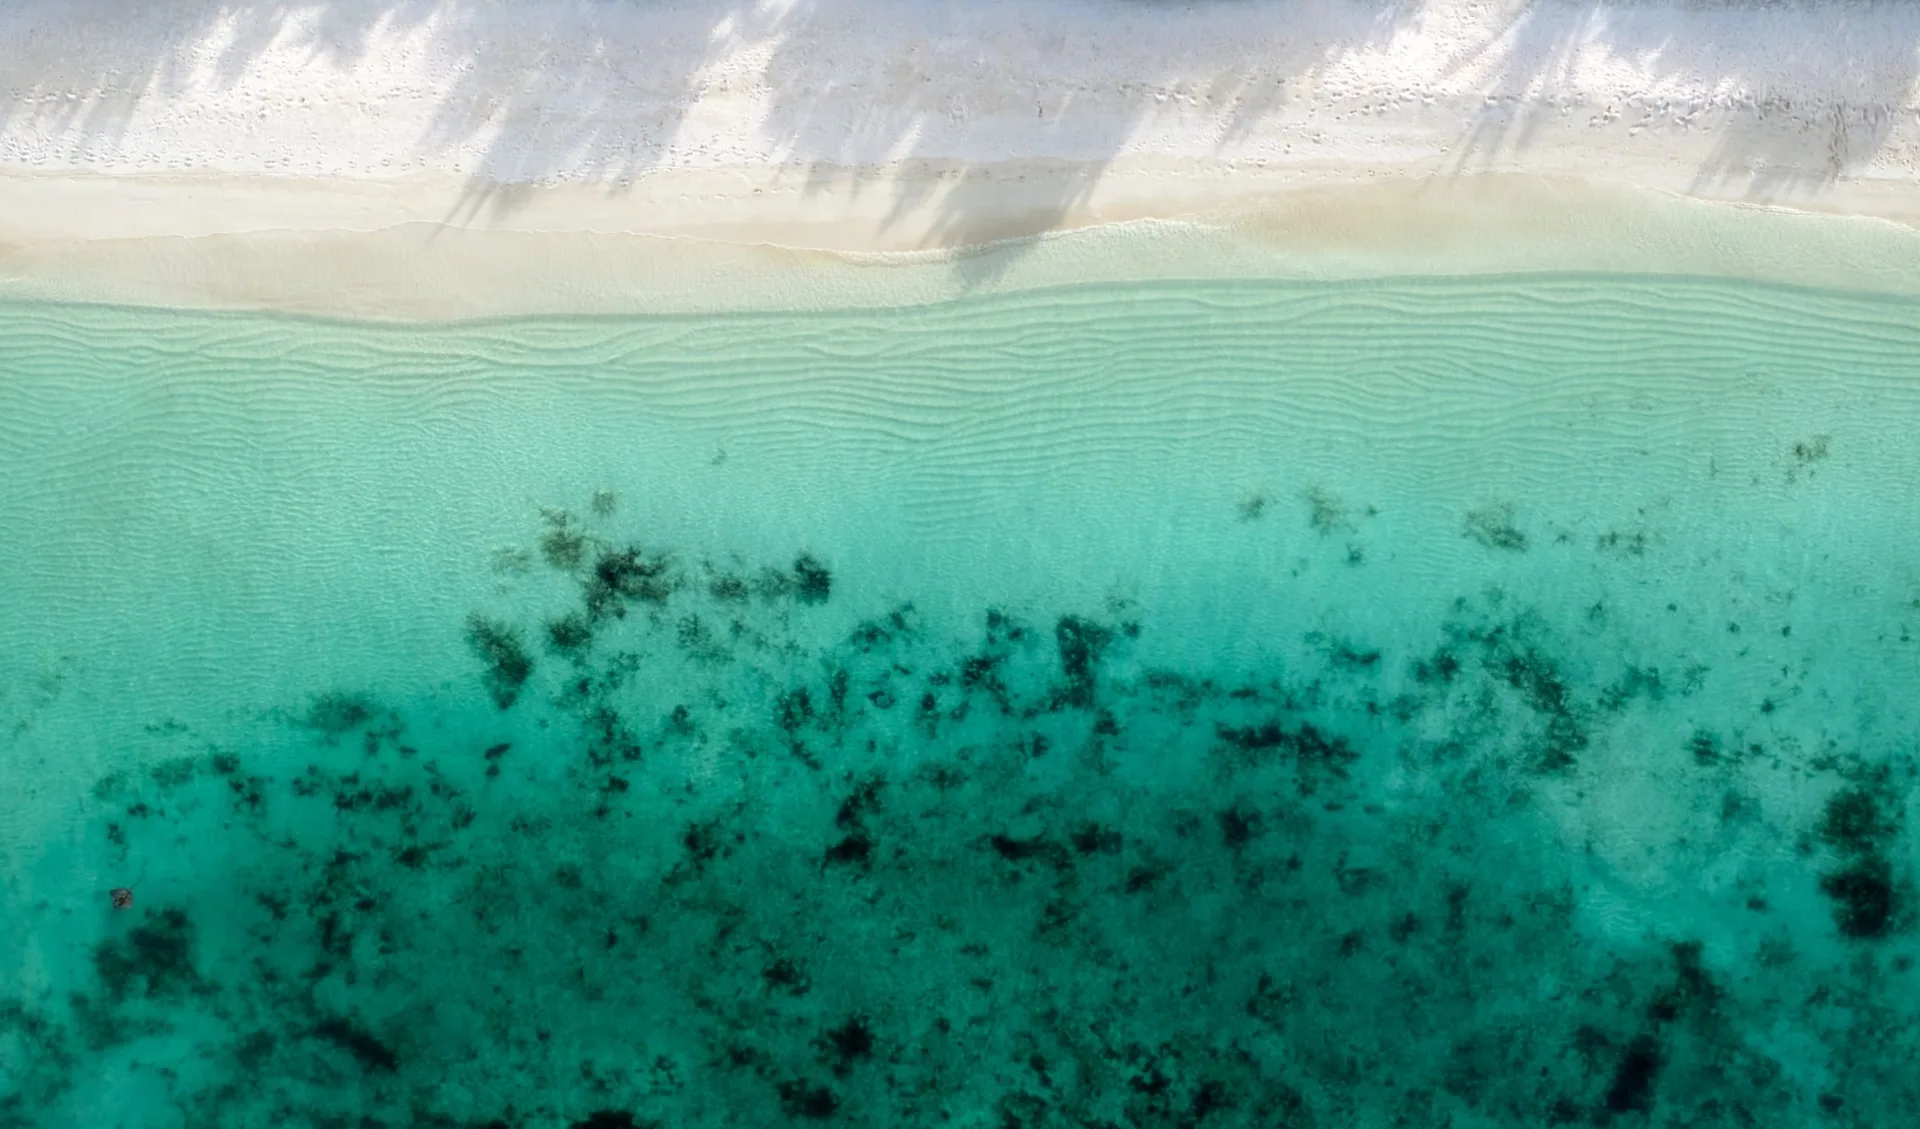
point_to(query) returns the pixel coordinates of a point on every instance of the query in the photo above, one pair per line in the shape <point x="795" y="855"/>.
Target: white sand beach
<point x="441" y="158"/>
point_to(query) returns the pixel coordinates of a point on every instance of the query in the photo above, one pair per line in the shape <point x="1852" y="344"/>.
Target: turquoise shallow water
<point x="1415" y="703"/>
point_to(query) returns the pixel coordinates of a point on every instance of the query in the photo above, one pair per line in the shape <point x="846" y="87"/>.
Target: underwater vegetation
<point x="501" y="648"/>
<point x="685" y="864"/>
<point x="1860" y="823"/>
<point x="1493" y="526"/>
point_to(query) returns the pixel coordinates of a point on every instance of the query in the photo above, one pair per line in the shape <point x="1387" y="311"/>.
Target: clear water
<point x="1471" y="703"/>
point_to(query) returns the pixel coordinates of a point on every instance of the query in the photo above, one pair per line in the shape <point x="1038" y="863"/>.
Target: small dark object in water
<point x="123" y="895"/>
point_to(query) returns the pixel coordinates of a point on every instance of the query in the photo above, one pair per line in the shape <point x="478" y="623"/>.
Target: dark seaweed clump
<point x="335" y="714"/>
<point x="613" y="1119"/>
<point x="812" y="583"/>
<point x="570" y="634"/>
<point x="368" y="1051"/>
<point x="626" y="574"/>
<point x="1631" y="1090"/>
<point x="500" y="647"/>
<point x="1858" y="823"/>
<point x="1863" y="895"/>
<point x="155" y="958"/>
<point x="1081" y="643"/>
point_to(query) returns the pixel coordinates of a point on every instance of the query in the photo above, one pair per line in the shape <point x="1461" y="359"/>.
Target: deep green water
<point x="1437" y="703"/>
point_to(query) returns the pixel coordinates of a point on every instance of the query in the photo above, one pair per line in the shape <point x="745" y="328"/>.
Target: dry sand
<point x="465" y="158"/>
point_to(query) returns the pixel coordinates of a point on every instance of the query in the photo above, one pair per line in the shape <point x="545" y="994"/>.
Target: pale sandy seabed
<point x="468" y="159"/>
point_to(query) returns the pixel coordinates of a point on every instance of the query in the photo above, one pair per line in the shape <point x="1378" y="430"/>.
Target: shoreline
<point x="456" y="159"/>
<point x="366" y="268"/>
